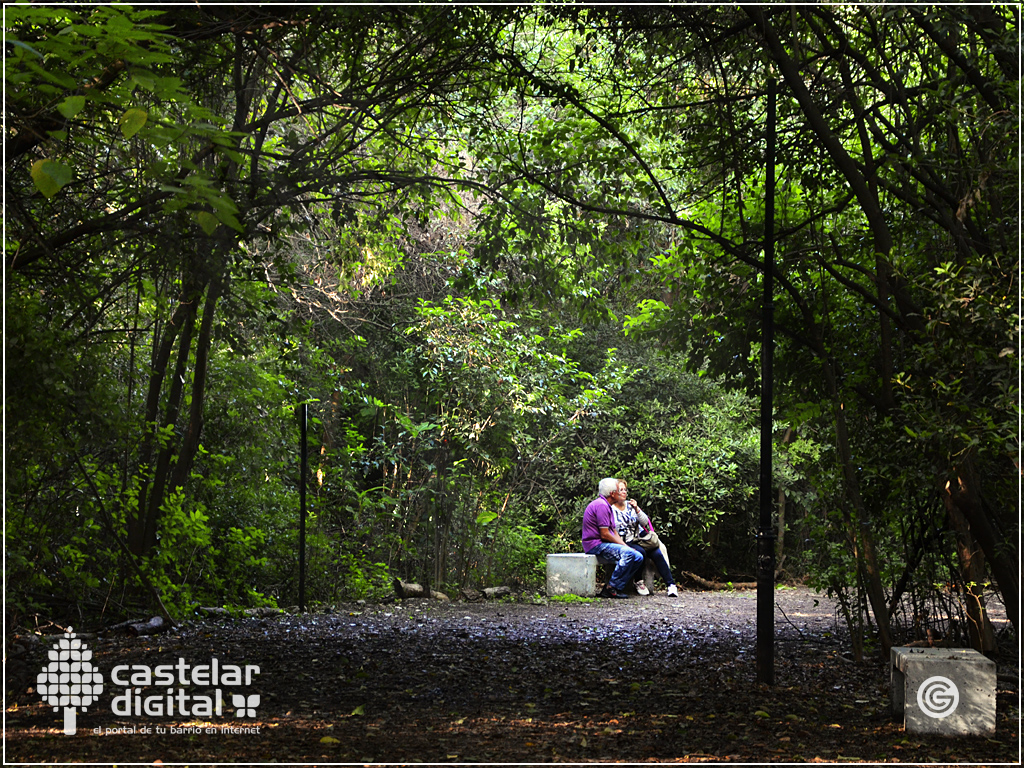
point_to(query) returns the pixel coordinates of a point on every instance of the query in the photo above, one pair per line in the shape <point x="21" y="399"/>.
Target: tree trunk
<point x="963" y="493"/>
<point x="867" y="557"/>
<point x="972" y="573"/>
<point x="194" y="427"/>
<point x="170" y="454"/>
<point x="142" y="528"/>
<point x="717" y="585"/>
<point x="180" y="322"/>
<point x="405" y="590"/>
<point x="780" y="541"/>
<point x="154" y="626"/>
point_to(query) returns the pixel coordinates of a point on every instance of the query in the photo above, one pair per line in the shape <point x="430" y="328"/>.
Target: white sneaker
<point x="641" y="588"/>
<point x="672" y="591"/>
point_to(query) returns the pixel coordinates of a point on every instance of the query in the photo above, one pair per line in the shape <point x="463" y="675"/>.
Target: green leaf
<point x="231" y="220"/>
<point x="132" y="121"/>
<point x="49" y="176"/>
<point x="207" y="221"/>
<point x="144" y="80"/>
<point x="222" y="202"/>
<point x="71" y="106"/>
<point x="486" y="517"/>
<point x="360" y="710"/>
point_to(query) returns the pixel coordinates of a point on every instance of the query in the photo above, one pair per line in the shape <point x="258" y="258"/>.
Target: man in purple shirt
<point x="601" y="538"/>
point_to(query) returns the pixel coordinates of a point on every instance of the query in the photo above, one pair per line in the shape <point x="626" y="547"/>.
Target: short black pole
<point x="302" y="415"/>
<point x="765" y="532"/>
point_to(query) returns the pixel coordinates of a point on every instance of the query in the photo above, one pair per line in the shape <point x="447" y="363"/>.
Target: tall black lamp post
<point x="765" y="531"/>
<point x="302" y="413"/>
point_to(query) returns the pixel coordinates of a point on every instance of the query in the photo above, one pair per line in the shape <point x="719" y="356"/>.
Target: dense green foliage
<point x="503" y="253"/>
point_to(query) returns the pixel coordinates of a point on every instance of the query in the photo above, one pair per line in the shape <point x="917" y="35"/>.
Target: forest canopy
<point x="500" y="253"/>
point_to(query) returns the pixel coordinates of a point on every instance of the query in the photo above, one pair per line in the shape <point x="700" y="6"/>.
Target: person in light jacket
<point x="631" y="523"/>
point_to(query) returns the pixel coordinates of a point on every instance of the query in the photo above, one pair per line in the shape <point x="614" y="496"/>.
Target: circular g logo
<point x="938" y="697"/>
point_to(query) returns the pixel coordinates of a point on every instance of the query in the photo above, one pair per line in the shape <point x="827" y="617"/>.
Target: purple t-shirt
<point x="596" y="516"/>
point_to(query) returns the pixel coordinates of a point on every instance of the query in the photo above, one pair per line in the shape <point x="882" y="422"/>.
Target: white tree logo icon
<point x="69" y="680"/>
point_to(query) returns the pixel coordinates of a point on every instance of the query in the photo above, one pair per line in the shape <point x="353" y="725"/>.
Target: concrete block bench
<point x="948" y="691"/>
<point x="571" y="574"/>
<point x="575" y="573"/>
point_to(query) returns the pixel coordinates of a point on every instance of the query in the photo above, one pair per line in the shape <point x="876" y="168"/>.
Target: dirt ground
<point x="533" y="680"/>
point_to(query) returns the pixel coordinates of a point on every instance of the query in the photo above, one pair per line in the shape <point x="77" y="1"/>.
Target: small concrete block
<point x="947" y="691"/>
<point x="571" y="574"/>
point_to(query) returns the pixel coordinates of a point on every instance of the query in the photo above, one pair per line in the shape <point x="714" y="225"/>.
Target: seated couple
<point x="613" y="526"/>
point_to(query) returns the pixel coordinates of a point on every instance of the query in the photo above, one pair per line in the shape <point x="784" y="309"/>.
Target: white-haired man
<point x="601" y="538"/>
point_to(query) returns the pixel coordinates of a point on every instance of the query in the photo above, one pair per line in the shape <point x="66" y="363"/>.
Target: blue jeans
<point x="627" y="562"/>
<point x="659" y="562"/>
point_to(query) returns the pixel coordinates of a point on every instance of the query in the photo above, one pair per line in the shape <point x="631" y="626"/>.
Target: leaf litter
<point x="649" y="679"/>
